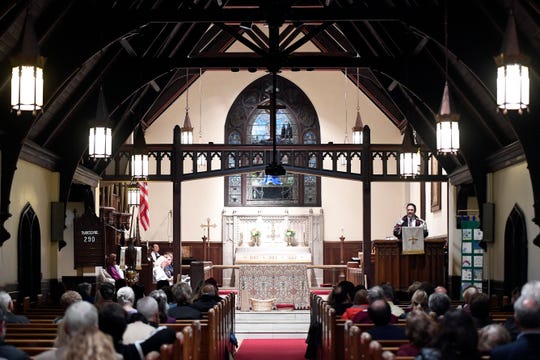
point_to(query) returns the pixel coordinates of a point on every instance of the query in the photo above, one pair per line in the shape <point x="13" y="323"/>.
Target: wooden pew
<point x="34" y="329"/>
<point x="351" y="341"/>
<point x="377" y="352"/>
<point x="334" y="334"/>
<point x="174" y="350"/>
<point x="365" y="340"/>
<point x="197" y="340"/>
<point x="34" y="350"/>
<point x="187" y="347"/>
<point x="360" y="345"/>
<point x="203" y="334"/>
<point x="205" y="338"/>
<point x="28" y="342"/>
<point x="214" y="332"/>
<point x="16" y="336"/>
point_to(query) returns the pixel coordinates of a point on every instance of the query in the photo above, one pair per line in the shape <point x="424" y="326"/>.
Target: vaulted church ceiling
<point x="139" y="50"/>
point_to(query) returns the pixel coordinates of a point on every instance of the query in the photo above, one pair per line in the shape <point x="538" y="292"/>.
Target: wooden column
<point x="367" y="170"/>
<point x="177" y="169"/>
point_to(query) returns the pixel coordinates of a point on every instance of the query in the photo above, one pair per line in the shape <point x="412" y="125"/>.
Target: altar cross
<point x="208" y="226"/>
<point x="412" y="239"/>
<point x="272" y="234"/>
<point x="206" y="238"/>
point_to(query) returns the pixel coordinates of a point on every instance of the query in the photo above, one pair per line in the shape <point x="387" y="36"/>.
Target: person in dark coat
<point x="380" y="313"/>
<point x="410" y="220"/>
<point x="457" y="339"/>
<point x="113" y="320"/>
<point x="527" y="315"/>
<point x="208" y="298"/>
<point x="9" y="351"/>
<point x="6" y="305"/>
<point x="421" y="328"/>
<point x="183" y="309"/>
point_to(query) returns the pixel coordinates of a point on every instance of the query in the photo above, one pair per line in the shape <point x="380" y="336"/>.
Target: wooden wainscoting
<point x="331" y="256"/>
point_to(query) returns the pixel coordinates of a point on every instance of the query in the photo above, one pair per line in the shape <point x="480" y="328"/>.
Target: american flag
<point x="144" y="214"/>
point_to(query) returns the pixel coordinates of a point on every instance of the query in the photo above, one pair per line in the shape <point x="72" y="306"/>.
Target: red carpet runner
<point x="272" y="349"/>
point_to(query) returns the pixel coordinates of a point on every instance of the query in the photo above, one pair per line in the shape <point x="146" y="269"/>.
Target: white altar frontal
<point x="263" y="236"/>
<point x="277" y="255"/>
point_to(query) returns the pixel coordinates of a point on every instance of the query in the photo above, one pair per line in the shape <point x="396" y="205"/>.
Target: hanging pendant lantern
<point x="27" y="73"/>
<point x="357" y="129"/>
<point x="134" y="194"/>
<point x="512" y="72"/>
<point x="139" y="157"/>
<point x="100" y="132"/>
<point x="186" y="131"/>
<point x="409" y="158"/>
<point x="447" y="126"/>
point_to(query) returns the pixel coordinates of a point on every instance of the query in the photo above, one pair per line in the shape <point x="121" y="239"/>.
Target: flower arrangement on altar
<point x="290" y="233"/>
<point x="255" y="233"/>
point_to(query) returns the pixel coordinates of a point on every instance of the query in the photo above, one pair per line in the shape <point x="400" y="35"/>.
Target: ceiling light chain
<point x="446" y="122"/>
<point x="200" y="105"/>
<point x="186" y="132"/>
<point x="358" y="128"/>
<point x="200" y="159"/>
<point x="346" y="109"/>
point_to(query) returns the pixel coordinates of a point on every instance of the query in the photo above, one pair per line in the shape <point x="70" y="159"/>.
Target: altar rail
<point x="205" y="270"/>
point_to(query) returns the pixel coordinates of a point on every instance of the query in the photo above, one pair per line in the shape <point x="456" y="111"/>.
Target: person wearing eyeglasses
<point x="410" y="219"/>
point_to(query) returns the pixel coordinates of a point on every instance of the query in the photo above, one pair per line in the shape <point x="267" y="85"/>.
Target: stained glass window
<point x="249" y="122"/>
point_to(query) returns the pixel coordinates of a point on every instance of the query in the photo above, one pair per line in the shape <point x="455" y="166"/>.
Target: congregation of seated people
<point x="433" y="328"/>
<point x="116" y="325"/>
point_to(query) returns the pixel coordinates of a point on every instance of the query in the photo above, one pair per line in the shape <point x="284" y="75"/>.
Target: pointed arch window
<point x="248" y="122"/>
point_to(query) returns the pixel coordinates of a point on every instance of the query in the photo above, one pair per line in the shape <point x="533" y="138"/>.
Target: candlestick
<point x="342" y="238"/>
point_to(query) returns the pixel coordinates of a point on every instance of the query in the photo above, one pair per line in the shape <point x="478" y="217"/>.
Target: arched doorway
<point x="29" y="254"/>
<point x="515" y="250"/>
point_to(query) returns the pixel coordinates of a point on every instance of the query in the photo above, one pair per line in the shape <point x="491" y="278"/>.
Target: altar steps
<point x="272" y="324"/>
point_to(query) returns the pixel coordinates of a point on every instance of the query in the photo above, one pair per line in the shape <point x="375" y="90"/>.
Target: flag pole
<point x="132" y="222"/>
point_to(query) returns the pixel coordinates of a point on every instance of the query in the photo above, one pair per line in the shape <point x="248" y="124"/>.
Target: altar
<point x="271" y="236"/>
<point x="277" y="255"/>
<point x="286" y="283"/>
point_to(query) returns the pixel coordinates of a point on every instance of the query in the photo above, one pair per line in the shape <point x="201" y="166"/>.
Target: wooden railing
<point x="343" y="272"/>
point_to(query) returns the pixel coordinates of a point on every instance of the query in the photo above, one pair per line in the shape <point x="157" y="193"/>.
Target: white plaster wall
<point x="437" y="220"/>
<point x="66" y="255"/>
<point x="512" y="186"/>
<point x="39" y="187"/>
<point x="454" y="235"/>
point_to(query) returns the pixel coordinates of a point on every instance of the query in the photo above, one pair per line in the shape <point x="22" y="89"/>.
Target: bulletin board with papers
<point x="472" y="255"/>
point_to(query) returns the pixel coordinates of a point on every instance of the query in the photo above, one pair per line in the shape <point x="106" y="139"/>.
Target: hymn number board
<point x="89" y="241"/>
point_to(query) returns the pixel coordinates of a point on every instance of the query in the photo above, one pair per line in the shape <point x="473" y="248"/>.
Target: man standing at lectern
<point x="410" y="220"/>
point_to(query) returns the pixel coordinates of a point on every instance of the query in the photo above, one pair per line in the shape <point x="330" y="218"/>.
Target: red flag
<point x="144" y="213"/>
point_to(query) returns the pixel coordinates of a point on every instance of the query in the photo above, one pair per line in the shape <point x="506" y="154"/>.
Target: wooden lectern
<point x="401" y="270"/>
